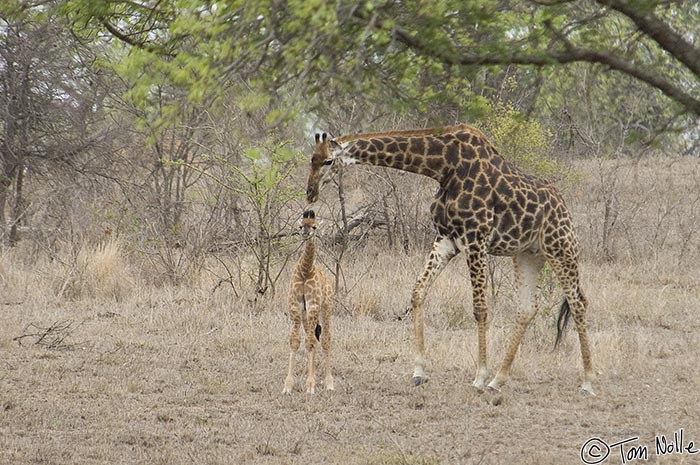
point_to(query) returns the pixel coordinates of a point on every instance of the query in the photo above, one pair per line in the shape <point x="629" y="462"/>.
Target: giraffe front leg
<point x="311" y="377"/>
<point x="289" y="381"/>
<point x="477" y="271"/>
<point x="311" y="342"/>
<point x="328" y="376"/>
<point x="294" y="342"/>
<point x="443" y="251"/>
<point x="419" y="376"/>
<point x="481" y="316"/>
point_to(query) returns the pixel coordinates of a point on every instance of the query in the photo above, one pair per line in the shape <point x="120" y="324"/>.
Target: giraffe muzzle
<point x="311" y="194"/>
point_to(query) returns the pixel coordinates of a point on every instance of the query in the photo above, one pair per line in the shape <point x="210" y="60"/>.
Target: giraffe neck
<point x="434" y="156"/>
<point x="306" y="262"/>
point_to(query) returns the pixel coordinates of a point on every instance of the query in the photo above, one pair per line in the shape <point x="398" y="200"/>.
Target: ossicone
<point x="309" y="214"/>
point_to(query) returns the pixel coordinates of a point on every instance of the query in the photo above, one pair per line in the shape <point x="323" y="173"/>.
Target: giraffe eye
<point x="328" y="162"/>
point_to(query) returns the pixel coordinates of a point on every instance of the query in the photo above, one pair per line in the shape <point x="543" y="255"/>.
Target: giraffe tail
<point x="564" y="314"/>
<point x="562" y="321"/>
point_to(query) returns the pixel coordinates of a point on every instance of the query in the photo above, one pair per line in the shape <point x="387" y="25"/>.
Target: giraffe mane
<point x="412" y="132"/>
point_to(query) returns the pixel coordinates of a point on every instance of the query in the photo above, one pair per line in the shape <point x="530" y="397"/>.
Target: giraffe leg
<point x="443" y="251"/>
<point x="569" y="280"/>
<point x="578" y="303"/>
<point x="294" y="342"/>
<point x="477" y="271"/>
<point x="311" y="342"/>
<point x="326" y="340"/>
<point x="527" y="270"/>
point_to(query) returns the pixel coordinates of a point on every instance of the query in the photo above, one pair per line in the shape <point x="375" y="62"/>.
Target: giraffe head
<point x="308" y="224"/>
<point x="328" y="156"/>
<point x="322" y="167"/>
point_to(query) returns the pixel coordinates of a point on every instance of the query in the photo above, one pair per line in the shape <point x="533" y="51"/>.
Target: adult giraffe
<point x="484" y="204"/>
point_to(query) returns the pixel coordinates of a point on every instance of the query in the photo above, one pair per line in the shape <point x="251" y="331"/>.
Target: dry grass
<point x="187" y="375"/>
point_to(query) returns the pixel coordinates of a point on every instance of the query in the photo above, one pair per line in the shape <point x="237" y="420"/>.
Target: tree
<point x="651" y="41"/>
<point x="48" y="104"/>
<point x="416" y="50"/>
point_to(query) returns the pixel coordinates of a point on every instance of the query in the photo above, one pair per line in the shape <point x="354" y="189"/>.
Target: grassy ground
<point x="129" y="373"/>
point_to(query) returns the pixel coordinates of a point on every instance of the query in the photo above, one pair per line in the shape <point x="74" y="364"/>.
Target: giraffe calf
<point x="310" y="304"/>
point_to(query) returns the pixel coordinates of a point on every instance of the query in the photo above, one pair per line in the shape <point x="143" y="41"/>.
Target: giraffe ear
<point x="333" y="144"/>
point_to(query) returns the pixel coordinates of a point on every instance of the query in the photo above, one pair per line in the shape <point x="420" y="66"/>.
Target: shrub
<point x="524" y="142"/>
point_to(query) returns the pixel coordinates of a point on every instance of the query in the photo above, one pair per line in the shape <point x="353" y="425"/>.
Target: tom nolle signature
<point x="596" y="450"/>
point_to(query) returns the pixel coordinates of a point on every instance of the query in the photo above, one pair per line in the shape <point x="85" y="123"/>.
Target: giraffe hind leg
<point x="575" y="303"/>
<point x="578" y="311"/>
<point x="527" y="270"/>
<point x="326" y="343"/>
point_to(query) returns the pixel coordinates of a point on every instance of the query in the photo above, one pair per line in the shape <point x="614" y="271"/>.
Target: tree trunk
<point x="17" y="207"/>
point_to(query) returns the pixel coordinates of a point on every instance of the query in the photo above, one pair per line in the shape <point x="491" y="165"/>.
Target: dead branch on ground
<point x="56" y="336"/>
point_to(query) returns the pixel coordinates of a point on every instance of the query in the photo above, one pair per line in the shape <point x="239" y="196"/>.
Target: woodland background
<point x="153" y="159"/>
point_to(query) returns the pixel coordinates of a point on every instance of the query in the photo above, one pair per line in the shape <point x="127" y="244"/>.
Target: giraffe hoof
<point x="587" y="390"/>
<point x="418" y="380"/>
<point x="310" y="388"/>
<point x="497" y="383"/>
<point x="479" y="385"/>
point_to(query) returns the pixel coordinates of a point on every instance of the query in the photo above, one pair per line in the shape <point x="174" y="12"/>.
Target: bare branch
<point x="570" y="55"/>
<point x="128" y="39"/>
<point x="661" y="32"/>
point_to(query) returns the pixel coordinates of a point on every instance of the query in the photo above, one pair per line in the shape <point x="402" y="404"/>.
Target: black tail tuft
<point x="317" y="332"/>
<point x="562" y="321"/>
